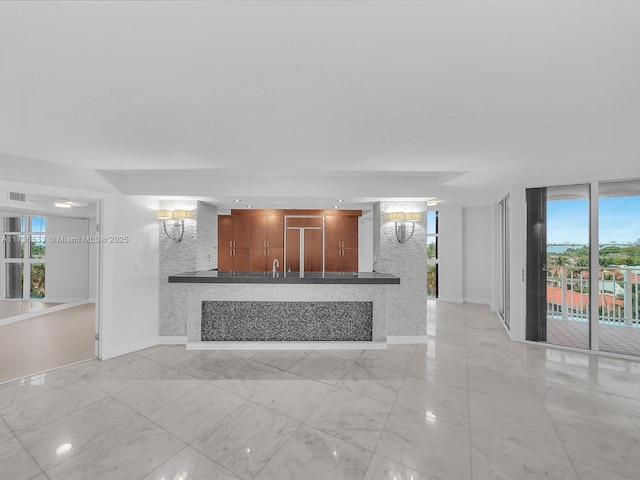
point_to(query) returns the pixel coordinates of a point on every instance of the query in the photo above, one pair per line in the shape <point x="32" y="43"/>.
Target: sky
<point x="568" y="220"/>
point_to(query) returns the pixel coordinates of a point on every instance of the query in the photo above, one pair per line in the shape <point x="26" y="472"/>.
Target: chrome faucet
<point x="276" y="264"/>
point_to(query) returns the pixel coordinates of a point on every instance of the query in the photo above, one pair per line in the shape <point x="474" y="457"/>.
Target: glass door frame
<point x="593" y="268"/>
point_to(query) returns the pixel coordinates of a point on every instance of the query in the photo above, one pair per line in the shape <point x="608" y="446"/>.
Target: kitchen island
<point x="249" y="310"/>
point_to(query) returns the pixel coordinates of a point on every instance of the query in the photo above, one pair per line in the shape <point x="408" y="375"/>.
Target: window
<point x="23" y="260"/>
<point x="432" y="254"/>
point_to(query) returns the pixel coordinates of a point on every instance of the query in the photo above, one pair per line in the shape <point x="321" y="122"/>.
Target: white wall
<point x="365" y="242"/>
<point x="176" y="257"/>
<point x="93" y="260"/>
<point x="67" y="262"/>
<point x="130" y="275"/>
<point x="207" y="236"/>
<point x="450" y="254"/>
<point x="517" y="263"/>
<point x="407" y="302"/>
<point x="477" y="254"/>
<point x="198" y="250"/>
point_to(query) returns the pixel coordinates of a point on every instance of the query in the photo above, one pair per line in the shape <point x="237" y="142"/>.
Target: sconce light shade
<point x="401" y="220"/>
<point x="164" y="214"/>
<point x="396" y="216"/>
<point x="176" y="230"/>
<point x="181" y="214"/>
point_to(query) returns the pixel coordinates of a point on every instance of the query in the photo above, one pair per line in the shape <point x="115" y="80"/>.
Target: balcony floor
<point x="621" y="339"/>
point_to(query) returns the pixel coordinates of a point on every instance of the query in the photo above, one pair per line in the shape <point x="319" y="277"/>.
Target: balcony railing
<point x="618" y="292"/>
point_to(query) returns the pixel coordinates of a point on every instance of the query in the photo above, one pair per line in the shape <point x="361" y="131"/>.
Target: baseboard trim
<point x="479" y="301"/>
<point x="129" y="348"/>
<point x="62" y="300"/>
<point x="45" y="311"/>
<point x="286" y="346"/>
<point x="169" y="340"/>
<point x="450" y="299"/>
<point x="406" y="339"/>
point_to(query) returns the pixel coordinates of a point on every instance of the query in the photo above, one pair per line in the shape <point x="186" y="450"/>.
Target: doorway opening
<point x="49" y="271"/>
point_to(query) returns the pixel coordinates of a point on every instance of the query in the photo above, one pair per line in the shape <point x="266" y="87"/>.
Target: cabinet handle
<point x="268" y="243"/>
<point x="230" y="253"/>
<point x="230" y="244"/>
<point x="265" y="252"/>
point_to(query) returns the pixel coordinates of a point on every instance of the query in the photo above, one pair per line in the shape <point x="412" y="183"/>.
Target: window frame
<point x="26" y="260"/>
<point x="435" y="237"/>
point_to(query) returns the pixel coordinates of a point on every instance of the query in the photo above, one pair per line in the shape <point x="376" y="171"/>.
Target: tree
<point x="37" y="280"/>
<point x="431" y="250"/>
<point x="432" y="279"/>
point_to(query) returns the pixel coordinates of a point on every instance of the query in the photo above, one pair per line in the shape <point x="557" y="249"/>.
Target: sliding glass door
<point x="577" y="296"/>
<point x="619" y="258"/>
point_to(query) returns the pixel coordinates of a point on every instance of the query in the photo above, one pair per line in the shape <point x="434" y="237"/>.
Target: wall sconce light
<point x="178" y="217"/>
<point x="402" y="221"/>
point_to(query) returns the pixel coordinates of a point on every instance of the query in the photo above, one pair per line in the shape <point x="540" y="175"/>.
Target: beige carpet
<point x="47" y="341"/>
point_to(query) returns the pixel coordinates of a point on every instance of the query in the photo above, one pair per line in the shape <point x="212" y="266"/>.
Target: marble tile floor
<point x="469" y="404"/>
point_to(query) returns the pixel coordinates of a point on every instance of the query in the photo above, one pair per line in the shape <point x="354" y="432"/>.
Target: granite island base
<point x="254" y="311"/>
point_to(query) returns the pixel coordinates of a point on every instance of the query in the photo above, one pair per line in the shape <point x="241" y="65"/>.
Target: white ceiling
<point x="451" y="99"/>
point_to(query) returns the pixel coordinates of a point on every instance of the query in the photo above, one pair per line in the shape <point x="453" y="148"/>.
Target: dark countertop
<point x="355" y="278"/>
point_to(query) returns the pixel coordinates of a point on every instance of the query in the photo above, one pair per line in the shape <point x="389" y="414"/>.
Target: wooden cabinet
<point x="266" y="230"/>
<point x="266" y="240"/>
<point x="341" y="243"/>
<point x="233" y="244"/>
<point x="251" y="240"/>
<point x="262" y="259"/>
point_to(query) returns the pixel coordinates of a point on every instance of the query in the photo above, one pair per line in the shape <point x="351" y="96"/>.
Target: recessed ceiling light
<point x="336" y="206"/>
<point x="249" y="206"/>
<point x="433" y="203"/>
<point x="63" y="204"/>
<point x="340" y="200"/>
<point x="237" y="200"/>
